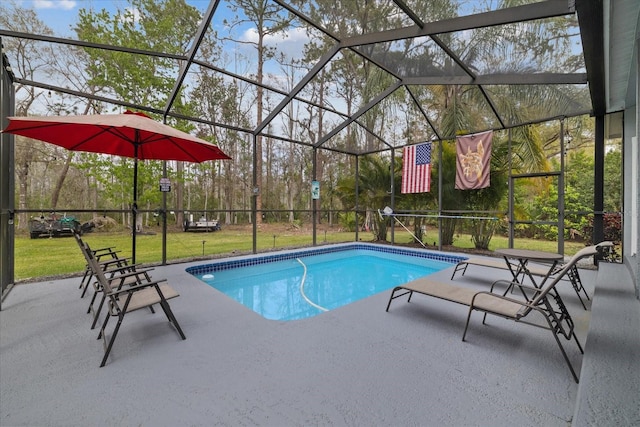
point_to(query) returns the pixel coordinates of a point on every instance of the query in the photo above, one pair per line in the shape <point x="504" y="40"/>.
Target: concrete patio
<point x="354" y="366"/>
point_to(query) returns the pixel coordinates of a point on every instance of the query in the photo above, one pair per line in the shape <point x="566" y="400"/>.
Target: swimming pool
<point x="298" y="284"/>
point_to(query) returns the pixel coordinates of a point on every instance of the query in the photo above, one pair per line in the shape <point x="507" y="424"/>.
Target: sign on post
<point x="165" y="185"/>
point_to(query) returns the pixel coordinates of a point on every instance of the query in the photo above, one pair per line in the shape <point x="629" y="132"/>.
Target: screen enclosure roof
<point x="362" y="77"/>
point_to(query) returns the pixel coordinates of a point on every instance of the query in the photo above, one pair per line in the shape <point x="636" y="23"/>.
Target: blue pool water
<point x="302" y="284"/>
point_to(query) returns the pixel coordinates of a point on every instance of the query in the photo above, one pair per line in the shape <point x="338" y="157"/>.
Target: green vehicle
<point x="53" y="226"/>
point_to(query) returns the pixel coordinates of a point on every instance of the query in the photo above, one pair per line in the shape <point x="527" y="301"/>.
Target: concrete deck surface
<point x="354" y="366"/>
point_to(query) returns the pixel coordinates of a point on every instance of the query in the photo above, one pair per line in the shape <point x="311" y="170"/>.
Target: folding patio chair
<point x="125" y="299"/>
<point x="129" y="274"/>
<point x="604" y="249"/>
<point x="106" y="256"/>
<point x="545" y="301"/>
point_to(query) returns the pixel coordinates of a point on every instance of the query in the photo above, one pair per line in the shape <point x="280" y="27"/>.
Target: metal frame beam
<point x="530" y="12"/>
<point x="501" y="79"/>
<point x="359" y="113"/>
<point x="184" y="68"/>
<point x="7" y="180"/>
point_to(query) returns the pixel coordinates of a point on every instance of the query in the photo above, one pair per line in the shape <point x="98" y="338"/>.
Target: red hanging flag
<point x="416" y="168"/>
<point x="473" y="161"/>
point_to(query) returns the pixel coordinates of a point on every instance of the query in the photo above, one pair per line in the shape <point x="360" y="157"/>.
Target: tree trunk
<point x="22" y="172"/>
<point x="448" y="230"/>
<point x="55" y="195"/>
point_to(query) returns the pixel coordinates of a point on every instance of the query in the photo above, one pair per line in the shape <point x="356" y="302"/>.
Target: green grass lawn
<point x="45" y="257"/>
<point x="35" y="258"/>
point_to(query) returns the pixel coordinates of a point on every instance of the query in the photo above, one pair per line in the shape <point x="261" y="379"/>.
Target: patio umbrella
<point x="131" y="134"/>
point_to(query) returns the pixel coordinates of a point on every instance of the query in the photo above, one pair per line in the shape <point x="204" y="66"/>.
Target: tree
<point x="374" y="185"/>
<point x="141" y="79"/>
<point x="222" y="100"/>
<point x="32" y="59"/>
<point x="613" y="181"/>
<point x="268" y="21"/>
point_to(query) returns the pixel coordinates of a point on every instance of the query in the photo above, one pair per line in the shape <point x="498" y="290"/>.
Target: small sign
<point x="165" y="185"/>
<point x="315" y="190"/>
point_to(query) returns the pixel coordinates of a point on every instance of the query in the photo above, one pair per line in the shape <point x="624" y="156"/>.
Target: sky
<point x="61" y="15"/>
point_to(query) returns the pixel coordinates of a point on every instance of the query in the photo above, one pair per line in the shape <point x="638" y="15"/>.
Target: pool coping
<point x="263" y="258"/>
<point x="295" y="312"/>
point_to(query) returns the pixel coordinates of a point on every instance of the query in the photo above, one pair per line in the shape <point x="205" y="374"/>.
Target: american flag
<point x="416" y="168"/>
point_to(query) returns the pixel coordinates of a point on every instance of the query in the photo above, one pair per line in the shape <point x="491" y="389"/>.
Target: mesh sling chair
<point x="572" y="276"/>
<point x="125" y="299"/>
<point x="129" y="275"/>
<point x="106" y="256"/>
<point x="543" y="300"/>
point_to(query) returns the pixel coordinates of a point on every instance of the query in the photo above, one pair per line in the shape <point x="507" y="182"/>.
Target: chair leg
<point x="555" y="326"/>
<point x="104" y="325"/>
<point x="564" y="353"/>
<point x="121" y="312"/>
<point x="575" y="275"/>
<point x="93" y="300"/>
<point x="113" y="338"/>
<point x="575" y="338"/>
<point x="167" y="311"/>
<point x="466" y="326"/>
<point x="86" y="286"/>
<point x="96" y="315"/>
<point x="86" y="280"/>
<point x="394" y="296"/>
<point x="83" y="278"/>
<point x="390" y="299"/>
<point x="459" y="268"/>
<point x="574" y="279"/>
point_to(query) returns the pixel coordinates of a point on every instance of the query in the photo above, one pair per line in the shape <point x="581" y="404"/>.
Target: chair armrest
<point x="109" y="262"/>
<point x="108" y="249"/>
<point x="126" y="274"/>
<point x="502" y="297"/>
<point x="524" y="304"/>
<point x="509" y="284"/>
<point x="138" y="287"/>
<point x="99" y="254"/>
<point x="119" y="281"/>
<point x="115" y="268"/>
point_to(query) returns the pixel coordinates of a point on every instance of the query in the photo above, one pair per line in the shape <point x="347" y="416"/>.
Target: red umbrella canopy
<point x="130" y="134"/>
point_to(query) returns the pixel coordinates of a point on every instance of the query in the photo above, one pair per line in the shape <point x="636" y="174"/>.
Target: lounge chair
<point x="125" y="299"/>
<point x="545" y="301"/>
<point x="573" y="275"/>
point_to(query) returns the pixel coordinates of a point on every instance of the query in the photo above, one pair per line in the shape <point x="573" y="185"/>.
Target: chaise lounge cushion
<point x="447" y="291"/>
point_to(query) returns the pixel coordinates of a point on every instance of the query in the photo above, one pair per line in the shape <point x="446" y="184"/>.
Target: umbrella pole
<point x="134" y="206"/>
